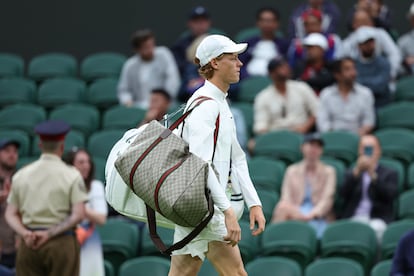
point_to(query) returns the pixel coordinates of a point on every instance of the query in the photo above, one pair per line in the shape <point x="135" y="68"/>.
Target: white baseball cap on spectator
<point x="214" y="45"/>
<point x="316" y="39"/>
<point x="365" y="33"/>
<point x="411" y="11"/>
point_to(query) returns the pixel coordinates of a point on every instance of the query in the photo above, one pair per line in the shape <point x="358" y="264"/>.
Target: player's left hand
<point x="41" y="237"/>
<point x="256" y="216"/>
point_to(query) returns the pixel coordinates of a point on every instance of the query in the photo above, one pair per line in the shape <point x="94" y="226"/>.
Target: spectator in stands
<point x="369" y="189"/>
<point x="151" y="67"/>
<point x="308" y="188"/>
<point x="314" y="69"/>
<point x="403" y="261"/>
<point x="9" y="155"/>
<point x="191" y="79"/>
<point x="378" y="11"/>
<point x="312" y="20"/>
<point x="284" y="104"/>
<point x="330" y="17"/>
<point x="159" y="104"/>
<point x="7" y="235"/>
<point x="198" y="24"/>
<point x="346" y="105"/>
<point x="406" y="43"/>
<point x="384" y="43"/>
<point x="263" y="47"/>
<point x="96" y="210"/>
<point x="8" y="159"/>
<point x="373" y="71"/>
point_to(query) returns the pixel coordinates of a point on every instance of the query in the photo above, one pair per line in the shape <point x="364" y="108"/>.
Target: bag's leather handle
<point x="152" y="225"/>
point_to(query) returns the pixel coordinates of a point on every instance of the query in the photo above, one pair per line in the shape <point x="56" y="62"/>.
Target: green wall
<point x="83" y="27"/>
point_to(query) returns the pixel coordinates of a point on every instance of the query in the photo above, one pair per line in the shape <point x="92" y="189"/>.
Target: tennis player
<point x="217" y="57"/>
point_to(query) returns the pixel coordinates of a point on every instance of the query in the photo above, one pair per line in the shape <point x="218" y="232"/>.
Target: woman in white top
<point x="217" y="57"/>
<point x="96" y="210"/>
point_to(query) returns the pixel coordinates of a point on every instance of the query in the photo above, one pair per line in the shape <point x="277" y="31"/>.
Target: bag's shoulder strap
<point x="191" y="107"/>
<point x="152" y="225"/>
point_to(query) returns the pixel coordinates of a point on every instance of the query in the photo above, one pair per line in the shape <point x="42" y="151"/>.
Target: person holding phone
<point x="369" y="189"/>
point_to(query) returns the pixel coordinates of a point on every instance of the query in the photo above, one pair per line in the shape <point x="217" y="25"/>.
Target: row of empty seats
<point x="158" y="266"/>
<point x="58" y="91"/>
<point x="294" y="241"/>
<point x="50" y="65"/>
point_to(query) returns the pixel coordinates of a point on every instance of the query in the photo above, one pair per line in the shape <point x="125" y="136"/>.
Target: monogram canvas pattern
<point x="182" y="196"/>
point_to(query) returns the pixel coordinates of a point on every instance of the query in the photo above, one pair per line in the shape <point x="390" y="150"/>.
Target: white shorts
<point x="214" y="231"/>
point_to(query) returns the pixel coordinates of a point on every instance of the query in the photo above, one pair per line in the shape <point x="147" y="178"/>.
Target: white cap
<point x="214" y="45"/>
<point x="411" y="12"/>
<point x="365" y="33"/>
<point x="316" y="39"/>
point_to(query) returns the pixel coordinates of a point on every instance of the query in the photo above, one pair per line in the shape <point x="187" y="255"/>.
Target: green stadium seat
<point x="350" y="239"/>
<point x="11" y="65"/>
<point x="207" y="269"/>
<point x="25" y="160"/>
<point x="410" y="176"/>
<point x="144" y="266"/>
<point x="340" y="170"/>
<point x="392" y="236"/>
<point x="404" y="90"/>
<point x="248" y="114"/>
<point x="292" y="239"/>
<point x="20" y="136"/>
<point x="73" y="139"/>
<point x="17" y="90"/>
<point x="102" y="93"/>
<point x="283" y="145"/>
<point x="52" y="65"/>
<point x="273" y="266"/>
<point x="121" y="117"/>
<point x="244" y="34"/>
<point x="22" y="116"/>
<point x="109" y="269"/>
<point x="119" y="241"/>
<point x="406" y="205"/>
<point x="250" y="87"/>
<point x="147" y="246"/>
<point x="249" y="244"/>
<point x="81" y="117"/>
<point x="382" y="268"/>
<point x="396" y="115"/>
<point x="61" y="91"/>
<point x="334" y="266"/>
<point x="266" y="174"/>
<point x="100" y="143"/>
<point x="100" y="164"/>
<point x="102" y="65"/>
<point x="269" y="201"/>
<point x="396" y="166"/>
<point x="341" y="145"/>
<point x="403" y="150"/>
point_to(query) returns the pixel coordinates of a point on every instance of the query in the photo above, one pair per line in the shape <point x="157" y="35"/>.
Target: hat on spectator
<point x="199" y="12"/>
<point x="52" y="130"/>
<point x="314" y="138"/>
<point x="7" y="142"/>
<point x="316" y="39"/>
<point x="411" y="11"/>
<point x="275" y="63"/>
<point x="312" y="12"/>
<point x="365" y="33"/>
<point x="214" y="45"/>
